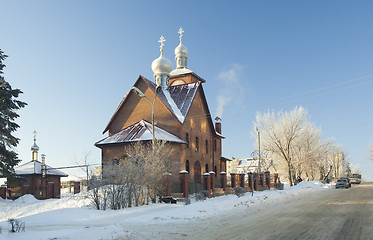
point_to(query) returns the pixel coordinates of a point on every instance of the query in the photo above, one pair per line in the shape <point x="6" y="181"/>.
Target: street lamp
<point x="142" y="95"/>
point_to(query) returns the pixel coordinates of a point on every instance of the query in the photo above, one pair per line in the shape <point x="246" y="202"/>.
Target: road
<point x="335" y="214"/>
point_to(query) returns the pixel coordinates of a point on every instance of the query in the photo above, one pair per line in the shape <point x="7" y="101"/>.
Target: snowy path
<point x="69" y="218"/>
<point x="338" y="214"/>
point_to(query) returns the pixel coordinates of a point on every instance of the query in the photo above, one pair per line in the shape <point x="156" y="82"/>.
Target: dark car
<point x="343" y="183"/>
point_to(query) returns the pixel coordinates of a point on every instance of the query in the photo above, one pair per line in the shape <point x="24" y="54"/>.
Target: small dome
<point x="34" y="147"/>
<point x="161" y="64"/>
<point x="181" y="49"/>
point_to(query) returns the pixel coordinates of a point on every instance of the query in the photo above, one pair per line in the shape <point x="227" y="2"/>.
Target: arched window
<point x="187" y="166"/>
<point x="187" y="140"/>
<point x="207" y="168"/>
<point x="207" y="146"/>
<point x="197" y="144"/>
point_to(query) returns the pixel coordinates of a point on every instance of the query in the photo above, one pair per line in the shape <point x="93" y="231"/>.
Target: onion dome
<point x="181" y="52"/>
<point x="181" y="49"/>
<point x="162" y="68"/>
<point x="161" y="65"/>
<point x="34" y="147"/>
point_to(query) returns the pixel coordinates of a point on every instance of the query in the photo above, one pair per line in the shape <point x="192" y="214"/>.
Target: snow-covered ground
<point x="73" y="216"/>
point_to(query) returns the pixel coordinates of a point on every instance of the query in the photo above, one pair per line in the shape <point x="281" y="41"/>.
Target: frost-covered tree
<point x="279" y="131"/>
<point x="135" y="178"/>
<point x="9" y="104"/>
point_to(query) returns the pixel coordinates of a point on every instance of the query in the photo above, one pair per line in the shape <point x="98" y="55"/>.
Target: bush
<point x="17" y="225"/>
<point x="239" y="191"/>
<point x="186" y="201"/>
<point x="202" y="195"/>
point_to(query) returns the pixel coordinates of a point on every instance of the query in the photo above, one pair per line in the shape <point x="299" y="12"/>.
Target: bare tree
<point x="279" y="131"/>
<point x="138" y="176"/>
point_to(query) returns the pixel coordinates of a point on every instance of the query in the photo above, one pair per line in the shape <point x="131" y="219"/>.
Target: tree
<point x="135" y="178"/>
<point x="371" y="153"/>
<point x="279" y="132"/>
<point x="8" y="108"/>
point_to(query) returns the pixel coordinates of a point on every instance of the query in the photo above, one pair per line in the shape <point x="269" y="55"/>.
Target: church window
<point x="187" y="165"/>
<point x="207" y="146"/>
<point x="197" y="143"/>
<point x="207" y="168"/>
<point x="187" y="140"/>
<point x="216" y="173"/>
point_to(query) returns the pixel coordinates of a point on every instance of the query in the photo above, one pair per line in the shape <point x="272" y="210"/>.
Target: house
<point x="181" y="117"/>
<point x="36" y="178"/>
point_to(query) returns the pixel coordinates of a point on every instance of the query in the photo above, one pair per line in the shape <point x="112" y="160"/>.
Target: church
<point x="176" y="104"/>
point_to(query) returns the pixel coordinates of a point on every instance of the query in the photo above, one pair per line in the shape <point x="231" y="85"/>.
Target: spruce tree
<point x="8" y="107"/>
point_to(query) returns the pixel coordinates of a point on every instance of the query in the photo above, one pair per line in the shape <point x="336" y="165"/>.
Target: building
<point x="242" y="165"/>
<point x="181" y="117"/>
<point x="36" y="178"/>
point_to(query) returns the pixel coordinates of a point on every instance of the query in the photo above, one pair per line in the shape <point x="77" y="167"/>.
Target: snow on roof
<point x="177" y="99"/>
<point x="140" y="131"/>
<point x="180" y="71"/>
<point x="174" y="107"/>
<point x="34" y="167"/>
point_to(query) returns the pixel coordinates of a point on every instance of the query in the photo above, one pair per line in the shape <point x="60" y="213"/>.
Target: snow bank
<point x="72" y="216"/>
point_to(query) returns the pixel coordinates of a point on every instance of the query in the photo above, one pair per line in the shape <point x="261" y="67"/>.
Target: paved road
<point x="335" y="214"/>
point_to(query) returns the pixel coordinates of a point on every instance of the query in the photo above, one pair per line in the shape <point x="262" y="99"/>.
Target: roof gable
<point x="140" y="131"/>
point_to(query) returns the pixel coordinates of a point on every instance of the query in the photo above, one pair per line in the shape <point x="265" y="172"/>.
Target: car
<point x="343" y="183"/>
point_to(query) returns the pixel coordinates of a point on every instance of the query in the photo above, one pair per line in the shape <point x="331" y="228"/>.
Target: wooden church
<point x="181" y="116"/>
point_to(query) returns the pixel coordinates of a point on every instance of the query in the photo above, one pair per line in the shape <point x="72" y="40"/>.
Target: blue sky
<point x="75" y="60"/>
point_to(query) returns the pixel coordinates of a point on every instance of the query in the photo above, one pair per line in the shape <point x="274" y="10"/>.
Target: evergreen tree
<point x="8" y="107"/>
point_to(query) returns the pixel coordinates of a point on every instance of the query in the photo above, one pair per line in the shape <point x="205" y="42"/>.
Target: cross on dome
<point x="161" y="40"/>
<point x="181" y="34"/>
<point x="34" y="135"/>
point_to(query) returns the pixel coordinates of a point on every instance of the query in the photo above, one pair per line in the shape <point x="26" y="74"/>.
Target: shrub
<point x="202" y="195"/>
<point x="17" y="225"/>
<point x="239" y="191"/>
<point x="186" y="201"/>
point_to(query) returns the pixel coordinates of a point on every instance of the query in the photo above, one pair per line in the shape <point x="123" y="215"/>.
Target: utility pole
<point x="259" y="170"/>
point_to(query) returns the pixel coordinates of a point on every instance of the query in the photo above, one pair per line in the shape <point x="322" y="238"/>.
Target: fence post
<point x="256" y="181"/>
<point x="212" y="178"/>
<point x="207" y="181"/>
<point x="184" y="175"/>
<point x="242" y="180"/>
<point x="223" y="177"/>
<point x="76" y="187"/>
<point x="233" y="179"/>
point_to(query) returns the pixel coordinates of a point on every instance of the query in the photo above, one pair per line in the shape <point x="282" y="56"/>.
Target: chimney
<point x="218" y="127"/>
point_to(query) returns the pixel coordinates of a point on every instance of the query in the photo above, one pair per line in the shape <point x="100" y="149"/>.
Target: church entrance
<point x="197" y="177"/>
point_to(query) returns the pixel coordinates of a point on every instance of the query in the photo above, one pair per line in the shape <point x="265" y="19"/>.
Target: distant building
<point x="242" y="165"/>
<point x="36" y="178"/>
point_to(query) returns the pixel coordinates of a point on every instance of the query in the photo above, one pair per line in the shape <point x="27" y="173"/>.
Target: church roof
<point x="35" y="167"/>
<point x="140" y="131"/>
<point x="178" y="99"/>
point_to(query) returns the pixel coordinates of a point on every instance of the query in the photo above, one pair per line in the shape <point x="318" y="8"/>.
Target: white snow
<point x="180" y="71"/>
<point x="35" y="167"/>
<point x="175" y="109"/>
<point x="72" y="216"/>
